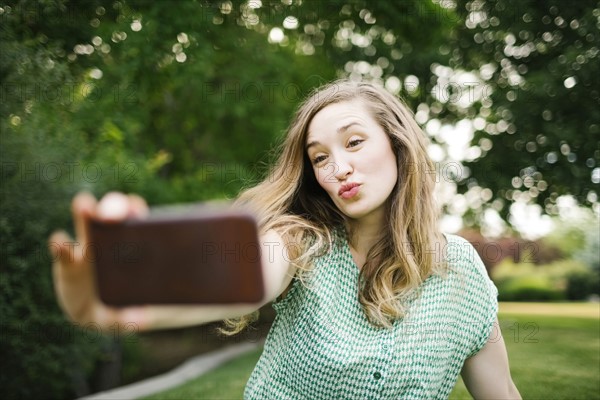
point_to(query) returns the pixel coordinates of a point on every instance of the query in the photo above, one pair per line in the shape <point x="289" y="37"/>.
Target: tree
<point x="538" y="127"/>
<point x="179" y="101"/>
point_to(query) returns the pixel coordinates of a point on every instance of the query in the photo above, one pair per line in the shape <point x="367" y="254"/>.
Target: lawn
<point x="551" y="357"/>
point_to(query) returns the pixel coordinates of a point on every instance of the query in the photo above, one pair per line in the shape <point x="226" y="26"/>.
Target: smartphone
<point x="201" y="257"/>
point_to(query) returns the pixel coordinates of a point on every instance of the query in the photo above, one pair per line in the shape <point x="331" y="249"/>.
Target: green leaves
<point x="545" y="104"/>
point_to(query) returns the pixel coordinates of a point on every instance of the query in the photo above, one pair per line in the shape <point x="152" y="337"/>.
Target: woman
<point x="371" y="299"/>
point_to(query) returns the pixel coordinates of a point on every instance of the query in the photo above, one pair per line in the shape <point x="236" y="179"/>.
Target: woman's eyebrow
<point x="341" y="129"/>
<point x="344" y="128"/>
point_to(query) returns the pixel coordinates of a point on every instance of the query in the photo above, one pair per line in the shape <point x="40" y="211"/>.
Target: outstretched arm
<point x="486" y="374"/>
<point x="74" y="279"/>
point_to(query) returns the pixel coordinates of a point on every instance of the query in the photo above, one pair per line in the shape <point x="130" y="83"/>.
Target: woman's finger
<point x="83" y="208"/>
<point x="113" y="207"/>
<point x="59" y="245"/>
<point x="138" y="208"/>
<point x="134" y="319"/>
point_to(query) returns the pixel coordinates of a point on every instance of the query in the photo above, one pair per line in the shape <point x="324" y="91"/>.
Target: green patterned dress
<point x="321" y="346"/>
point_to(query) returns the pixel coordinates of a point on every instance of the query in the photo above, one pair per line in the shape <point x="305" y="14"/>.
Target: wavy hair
<point x="291" y="201"/>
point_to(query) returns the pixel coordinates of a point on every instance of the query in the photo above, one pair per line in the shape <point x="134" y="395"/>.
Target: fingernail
<point x="113" y="206"/>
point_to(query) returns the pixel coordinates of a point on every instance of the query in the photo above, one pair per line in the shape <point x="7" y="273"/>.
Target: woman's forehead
<point x="338" y="117"/>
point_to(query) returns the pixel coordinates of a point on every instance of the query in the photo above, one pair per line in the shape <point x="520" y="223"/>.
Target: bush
<point x="582" y="284"/>
<point x="44" y="354"/>
<point x="530" y="288"/>
<point x="560" y="280"/>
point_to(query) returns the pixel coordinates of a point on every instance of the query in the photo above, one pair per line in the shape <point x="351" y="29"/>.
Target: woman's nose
<point x="342" y="168"/>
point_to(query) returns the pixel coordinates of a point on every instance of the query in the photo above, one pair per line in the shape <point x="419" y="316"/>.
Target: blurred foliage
<point x="493" y="251"/>
<point x="589" y="254"/>
<point x="560" y="280"/>
<point x="577" y="236"/>
<point x="540" y="120"/>
<point x="38" y="345"/>
<point x="562" y="266"/>
<point x="181" y="101"/>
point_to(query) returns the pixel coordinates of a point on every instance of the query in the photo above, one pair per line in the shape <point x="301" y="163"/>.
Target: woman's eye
<point x="318" y="159"/>
<point x="355" y="142"/>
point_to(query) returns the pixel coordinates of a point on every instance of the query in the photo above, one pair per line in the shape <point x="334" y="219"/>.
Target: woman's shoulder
<point x="455" y="242"/>
<point x="462" y="256"/>
<point x="458" y="247"/>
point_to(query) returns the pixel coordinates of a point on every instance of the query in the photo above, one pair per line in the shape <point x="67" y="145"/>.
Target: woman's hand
<point x="75" y="287"/>
<point x="73" y="273"/>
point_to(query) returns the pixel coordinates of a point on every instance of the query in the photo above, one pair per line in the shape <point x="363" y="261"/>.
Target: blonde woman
<point x="372" y="300"/>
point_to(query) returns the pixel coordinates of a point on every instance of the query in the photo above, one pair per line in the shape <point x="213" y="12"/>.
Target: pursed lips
<point x="348" y="190"/>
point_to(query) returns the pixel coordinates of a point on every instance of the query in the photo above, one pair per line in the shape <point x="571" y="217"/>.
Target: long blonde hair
<point x="291" y="201"/>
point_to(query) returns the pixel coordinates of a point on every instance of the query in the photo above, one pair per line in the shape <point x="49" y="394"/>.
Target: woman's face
<point x="352" y="159"/>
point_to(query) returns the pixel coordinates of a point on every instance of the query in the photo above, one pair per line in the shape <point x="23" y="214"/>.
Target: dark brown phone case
<point x="212" y="258"/>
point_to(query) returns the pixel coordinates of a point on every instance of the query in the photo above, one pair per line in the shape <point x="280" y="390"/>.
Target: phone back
<point x="194" y="259"/>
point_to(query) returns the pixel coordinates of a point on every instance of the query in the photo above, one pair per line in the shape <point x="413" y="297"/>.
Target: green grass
<point x="225" y="382"/>
<point x="551" y="357"/>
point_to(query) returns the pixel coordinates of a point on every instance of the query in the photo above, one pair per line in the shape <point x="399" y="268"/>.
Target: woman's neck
<point x="365" y="232"/>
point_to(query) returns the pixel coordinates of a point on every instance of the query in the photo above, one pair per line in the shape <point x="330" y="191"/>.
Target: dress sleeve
<point x="279" y="304"/>
<point x="477" y="297"/>
<point x="486" y="322"/>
